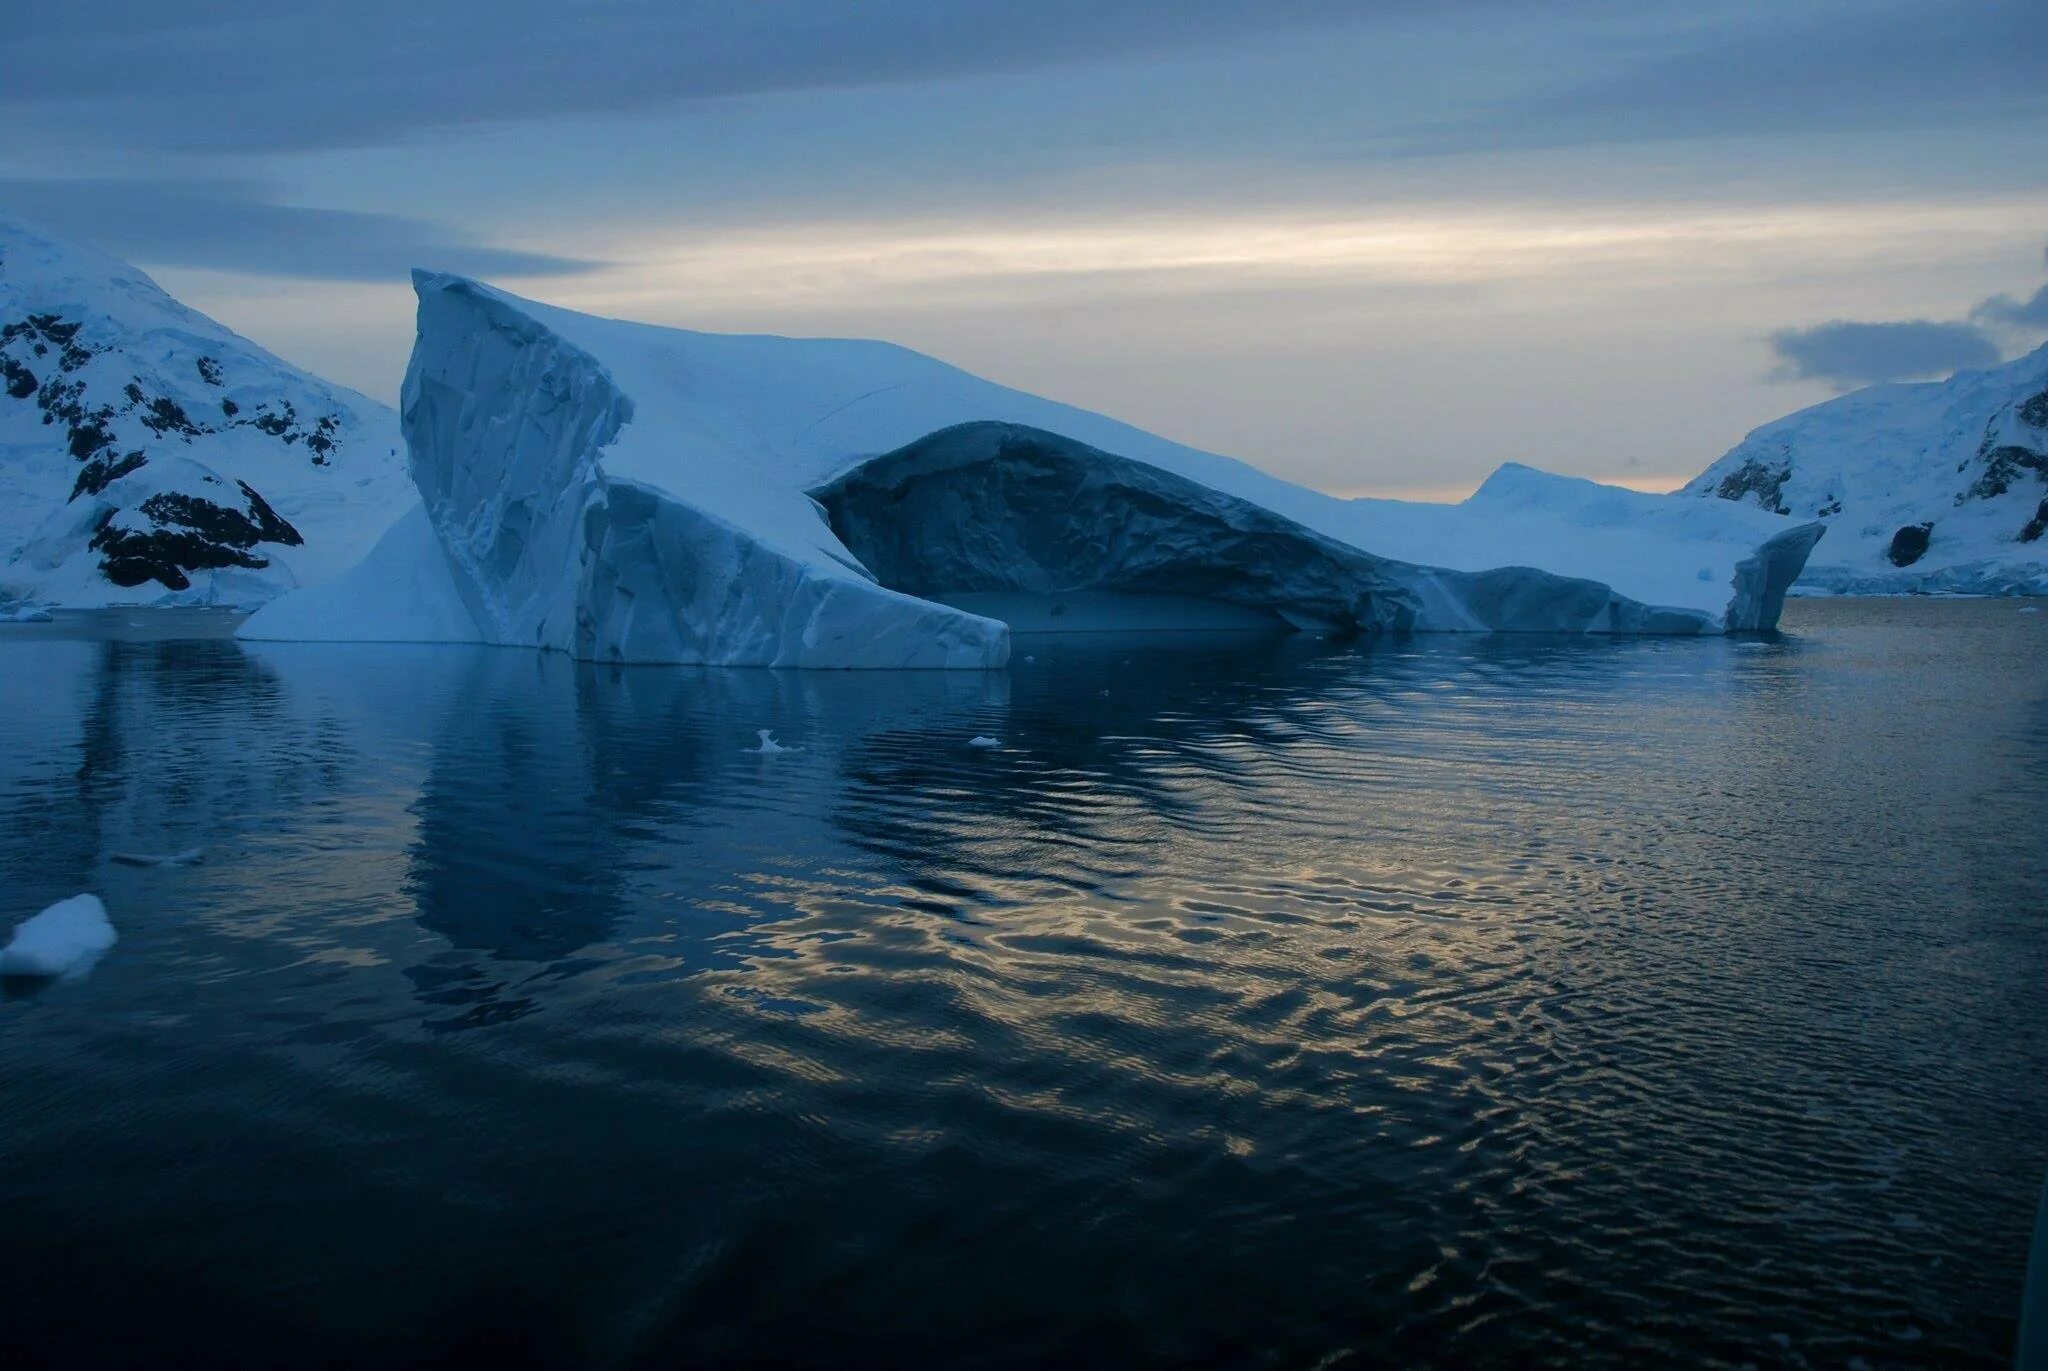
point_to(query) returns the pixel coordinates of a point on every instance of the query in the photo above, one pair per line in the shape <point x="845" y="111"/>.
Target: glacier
<point x="150" y="456"/>
<point x="1926" y="487"/>
<point x="628" y="493"/>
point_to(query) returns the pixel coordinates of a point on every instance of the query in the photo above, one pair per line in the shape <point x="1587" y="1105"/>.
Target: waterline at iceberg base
<point x="627" y="493"/>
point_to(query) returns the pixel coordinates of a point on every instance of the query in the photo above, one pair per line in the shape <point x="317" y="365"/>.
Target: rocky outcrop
<point x="151" y="455"/>
<point x="1964" y="460"/>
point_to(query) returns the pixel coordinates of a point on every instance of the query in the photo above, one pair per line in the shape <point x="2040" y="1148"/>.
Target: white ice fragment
<point x="28" y="614"/>
<point x="769" y="747"/>
<point x="983" y="740"/>
<point x="63" y="941"/>
<point x="2030" y="609"/>
<point x="191" y="856"/>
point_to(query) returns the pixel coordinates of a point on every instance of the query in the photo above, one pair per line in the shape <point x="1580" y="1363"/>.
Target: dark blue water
<point x="1258" y="1003"/>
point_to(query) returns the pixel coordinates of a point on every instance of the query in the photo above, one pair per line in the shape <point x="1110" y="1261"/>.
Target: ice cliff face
<point x="1031" y="526"/>
<point x="1936" y="486"/>
<point x="634" y="494"/>
<point x="148" y="455"/>
<point x="515" y="436"/>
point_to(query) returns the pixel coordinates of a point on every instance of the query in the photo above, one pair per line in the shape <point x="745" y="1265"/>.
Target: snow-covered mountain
<point x="150" y="456"/>
<point x="1933" y="486"/>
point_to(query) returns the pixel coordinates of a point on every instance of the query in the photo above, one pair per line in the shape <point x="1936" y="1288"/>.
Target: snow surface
<point x="403" y="592"/>
<point x="208" y="470"/>
<point x="64" y="940"/>
<point x="1968" y="456"/>
<point x="629" y="493"/>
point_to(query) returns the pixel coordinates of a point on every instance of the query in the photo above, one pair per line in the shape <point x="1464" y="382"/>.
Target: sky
<point x="1378" y="248"/>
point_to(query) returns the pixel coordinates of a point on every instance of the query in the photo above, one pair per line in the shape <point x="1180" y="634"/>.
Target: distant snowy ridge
<point x="1938" y="486"/>
<point x="627" y="493"/>
<point x="150" y="456"/>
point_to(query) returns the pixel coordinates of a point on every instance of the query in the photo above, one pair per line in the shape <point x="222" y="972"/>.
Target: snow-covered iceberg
<point x="628" y="493"/>
<point x="1925" y="486"/>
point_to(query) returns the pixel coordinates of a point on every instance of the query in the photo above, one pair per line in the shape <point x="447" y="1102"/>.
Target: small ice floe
<point x="983" y="740"/>
<point x="62" y="942"/>
<point x="191" y="856"/>
<point x="27" y="614"/>
<point x="769" y="747"/>
<point x="1029" y="658"/>
<point x="2024" y="609"/>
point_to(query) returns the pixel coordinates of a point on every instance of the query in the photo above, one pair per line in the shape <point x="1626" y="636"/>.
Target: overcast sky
<point x="1375" y="247"/>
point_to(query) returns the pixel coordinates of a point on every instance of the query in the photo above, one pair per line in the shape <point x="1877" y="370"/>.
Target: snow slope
<point x="631" y="493"/>
<point x="150" y="456"/>
<point x="1963" y="462"/>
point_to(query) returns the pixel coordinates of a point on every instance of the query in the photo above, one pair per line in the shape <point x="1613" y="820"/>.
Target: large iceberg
<point x="628" y="493"/>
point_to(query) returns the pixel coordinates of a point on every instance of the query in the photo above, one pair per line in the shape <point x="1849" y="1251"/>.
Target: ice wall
<point x="510" y="426"/>
<point x="987" y="510"/>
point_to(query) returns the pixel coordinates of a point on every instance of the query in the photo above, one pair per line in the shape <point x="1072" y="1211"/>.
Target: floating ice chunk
<point x="191" y="856"/>
<point x="63" y="941"/>
<point x="27" y="614"/>
<point x="983" y="740"/>
<point x="769" y="747"/>
<point x="2030" y="609"/>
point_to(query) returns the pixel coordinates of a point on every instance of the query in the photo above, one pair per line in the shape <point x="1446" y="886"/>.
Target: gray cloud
<point x="2011" y="312"/>
<point x="1847" y="355"/>
<point x="237" y="75"/>
<point x="227" y="224"/>
<point x="1826" y="67"/>
<point x="2007" y="311"/>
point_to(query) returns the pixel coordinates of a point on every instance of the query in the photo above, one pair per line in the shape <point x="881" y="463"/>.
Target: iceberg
<point x="64" y="941"/>
<point x="627" y="493"/>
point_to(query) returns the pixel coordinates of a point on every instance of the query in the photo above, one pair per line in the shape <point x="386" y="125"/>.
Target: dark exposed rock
<point x="1767" y="484"/>
<point x="21" y="382"/>
<point x="101" y="472"/>
<point x="209" y="370"/>
<point x="230" y="408"/>
<point x="165" y="415"/>
<point x="2003" y="466"/>
<point x="2035" y="526"/>
<point x="2034" y="410"/>
<point x="1909" y="544"/>
<point x="189" y="534"/>
<point x="90" y="435"/>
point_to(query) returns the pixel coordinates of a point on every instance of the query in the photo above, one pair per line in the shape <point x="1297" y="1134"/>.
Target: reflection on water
<point x="1258" y="1002"/>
